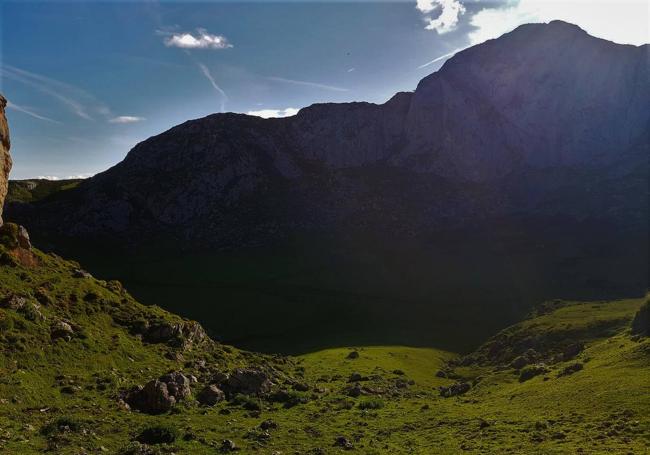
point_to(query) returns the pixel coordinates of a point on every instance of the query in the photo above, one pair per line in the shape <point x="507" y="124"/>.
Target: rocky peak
<point x="5" y="159"/>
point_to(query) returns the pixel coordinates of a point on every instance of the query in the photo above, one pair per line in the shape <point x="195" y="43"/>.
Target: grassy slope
<point x="37" y="189"/>
<point x="605" y="408"/>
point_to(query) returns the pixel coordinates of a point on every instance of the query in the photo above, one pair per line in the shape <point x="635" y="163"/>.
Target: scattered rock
<point x="210" y="395"/>
<point x="269" y="425"/>
<point x="531" y="371"/>
<point x="160" y="395"/>
<point x="343" y="442"/>
<point x="228" y="446"/>
<point x="570" y="369"/>
<point x="13" y="302"/>
<point x="453" y="390"/>
<point x="79" y="273"/>
<point x="23" y="238"/>
<point x="61" y="329"/>
<point x="572" y="350"/>
<point x="353" y="355"/>
<point x="248" y="381"/>
<point x="356" y="377"/>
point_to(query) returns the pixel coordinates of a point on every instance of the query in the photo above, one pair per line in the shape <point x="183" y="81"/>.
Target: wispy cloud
<point x="447" y="18"/>
<point x="126" y="119"/>
<point x="77" y="100"/>
<point x="308" y="84"/>
<point x="199" y="40"/>
<point x="442" y="57"/>
<point x="29" y="112"/>
<point x="270" y="113"/>
<point x="222" y="95"/>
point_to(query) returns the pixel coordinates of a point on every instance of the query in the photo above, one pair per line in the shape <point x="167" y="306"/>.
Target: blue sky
<point x="87" y="81"/>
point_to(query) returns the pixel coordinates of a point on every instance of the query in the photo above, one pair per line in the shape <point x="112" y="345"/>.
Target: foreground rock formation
<point x="5" y="158"/>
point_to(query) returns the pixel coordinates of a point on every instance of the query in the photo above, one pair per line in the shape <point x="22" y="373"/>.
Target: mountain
<point x="516" y="173"/>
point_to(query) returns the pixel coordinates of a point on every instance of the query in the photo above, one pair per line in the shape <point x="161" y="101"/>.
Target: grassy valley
<point x="571" y="378"/>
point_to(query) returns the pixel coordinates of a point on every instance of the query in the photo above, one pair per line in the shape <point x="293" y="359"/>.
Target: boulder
<point x="531" y="371"/>
<point x="210" y="395"/>
<point x="182" y="335"/>
<point x="13" y="302"/>
<point x="61" y="329"/>
<point x="160" y="395"/>
<point x="23" y="238"/>
<point x="248" y="381"/>
<point x="572" y="350"/>
<point x="453" y="390"/>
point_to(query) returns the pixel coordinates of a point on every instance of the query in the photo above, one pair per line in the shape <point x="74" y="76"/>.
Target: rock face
<point x="5" y="158"/>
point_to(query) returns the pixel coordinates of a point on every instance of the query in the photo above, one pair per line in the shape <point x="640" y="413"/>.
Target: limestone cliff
<point x="5" y="158"/>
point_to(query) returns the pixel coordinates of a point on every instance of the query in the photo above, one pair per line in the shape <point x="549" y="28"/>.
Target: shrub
<point x="9" y="235"/>
<point x="531" y="371"/>
<point x="62" y="425"/>
<point x="158" y="434"/>
<point x="246" y="402"/>
<point x="6" y="322"/>
<point x="373" y="403"/>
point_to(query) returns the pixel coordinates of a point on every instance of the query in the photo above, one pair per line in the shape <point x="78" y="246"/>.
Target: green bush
<point x="372" y="403"/>
<point x="9" y="235"/>
<point x="246" y="402"/>
<point x="158" y="434"/>
<point x="6" y="322"/>
<point x="62" y="425"/>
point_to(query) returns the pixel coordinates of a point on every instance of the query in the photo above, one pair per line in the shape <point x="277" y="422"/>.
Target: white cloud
<point x="206" y="72"/>
<point x="48" y="177"/>
<point x="126" y="119"/>
<point x="308" y="84"/>
<point x="621" y="21"/>
<point x="201" y="40"/>
<point x="447" y="19"/>
<point x="269" y="113"/>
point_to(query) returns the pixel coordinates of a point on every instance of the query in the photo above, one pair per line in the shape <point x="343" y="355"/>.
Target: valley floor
<point x="570" y="379"/>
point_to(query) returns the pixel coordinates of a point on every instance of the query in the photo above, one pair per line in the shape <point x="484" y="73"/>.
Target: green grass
<point x="38" y="189"/>
<point x="63" y="396"/>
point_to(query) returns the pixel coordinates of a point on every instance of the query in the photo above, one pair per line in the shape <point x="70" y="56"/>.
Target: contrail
<point x="309" y="84"/>
<point x="18" y="108"/>
<point x="442" y="57"/>
<point x="208" y="75"/>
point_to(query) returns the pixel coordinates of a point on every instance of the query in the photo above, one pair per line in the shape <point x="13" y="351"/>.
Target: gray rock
<point x="160" y="395"/>
<point x="453" y="390"/>
<point x="210" y="395"/>
<point x="248" y="381"/>
<point x="61" y="330"/>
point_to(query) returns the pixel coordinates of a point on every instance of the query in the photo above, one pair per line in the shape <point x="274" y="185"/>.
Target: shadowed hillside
<point x="516" y="173"/>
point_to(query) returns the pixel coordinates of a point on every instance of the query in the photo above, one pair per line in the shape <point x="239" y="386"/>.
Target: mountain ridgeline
<point x="517" y="172"/>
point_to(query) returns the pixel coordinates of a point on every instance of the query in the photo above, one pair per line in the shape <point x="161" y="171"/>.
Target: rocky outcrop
<point x="160" y="395"/>
<point x="5" y="158"/>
